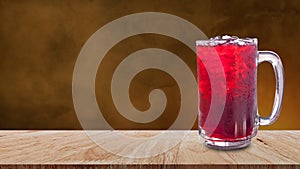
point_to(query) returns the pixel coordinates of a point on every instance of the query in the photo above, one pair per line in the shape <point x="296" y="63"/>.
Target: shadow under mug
<point x="227" y="85"/>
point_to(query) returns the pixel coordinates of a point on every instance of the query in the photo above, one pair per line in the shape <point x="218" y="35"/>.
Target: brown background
<point x="40" y="41"/>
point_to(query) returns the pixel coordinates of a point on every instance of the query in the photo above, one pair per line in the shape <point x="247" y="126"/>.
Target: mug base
<point x="228" y="145"/>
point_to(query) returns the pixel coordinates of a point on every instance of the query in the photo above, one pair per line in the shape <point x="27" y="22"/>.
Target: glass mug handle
<point x="274" y="59"/>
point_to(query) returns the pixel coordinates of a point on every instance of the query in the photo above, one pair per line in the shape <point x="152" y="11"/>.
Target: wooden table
<point x="74" y="149"/>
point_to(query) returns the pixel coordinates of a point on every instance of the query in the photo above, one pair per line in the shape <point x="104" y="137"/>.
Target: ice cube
<point x="227" y="39"/>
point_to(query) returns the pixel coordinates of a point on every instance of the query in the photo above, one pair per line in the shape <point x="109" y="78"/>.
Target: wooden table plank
<point x="279" y="149"/>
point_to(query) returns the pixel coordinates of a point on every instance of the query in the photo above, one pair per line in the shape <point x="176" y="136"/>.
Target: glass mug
<point x="227" y="88"/>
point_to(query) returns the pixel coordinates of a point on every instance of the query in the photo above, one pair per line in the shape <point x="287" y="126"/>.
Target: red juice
<point x="238" y="63"/>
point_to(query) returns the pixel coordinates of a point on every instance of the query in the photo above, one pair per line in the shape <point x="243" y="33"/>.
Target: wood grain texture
<point x="72" y="149"/>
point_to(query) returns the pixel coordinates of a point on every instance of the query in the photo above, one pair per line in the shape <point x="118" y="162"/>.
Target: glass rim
<point x="225" y="40"/>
